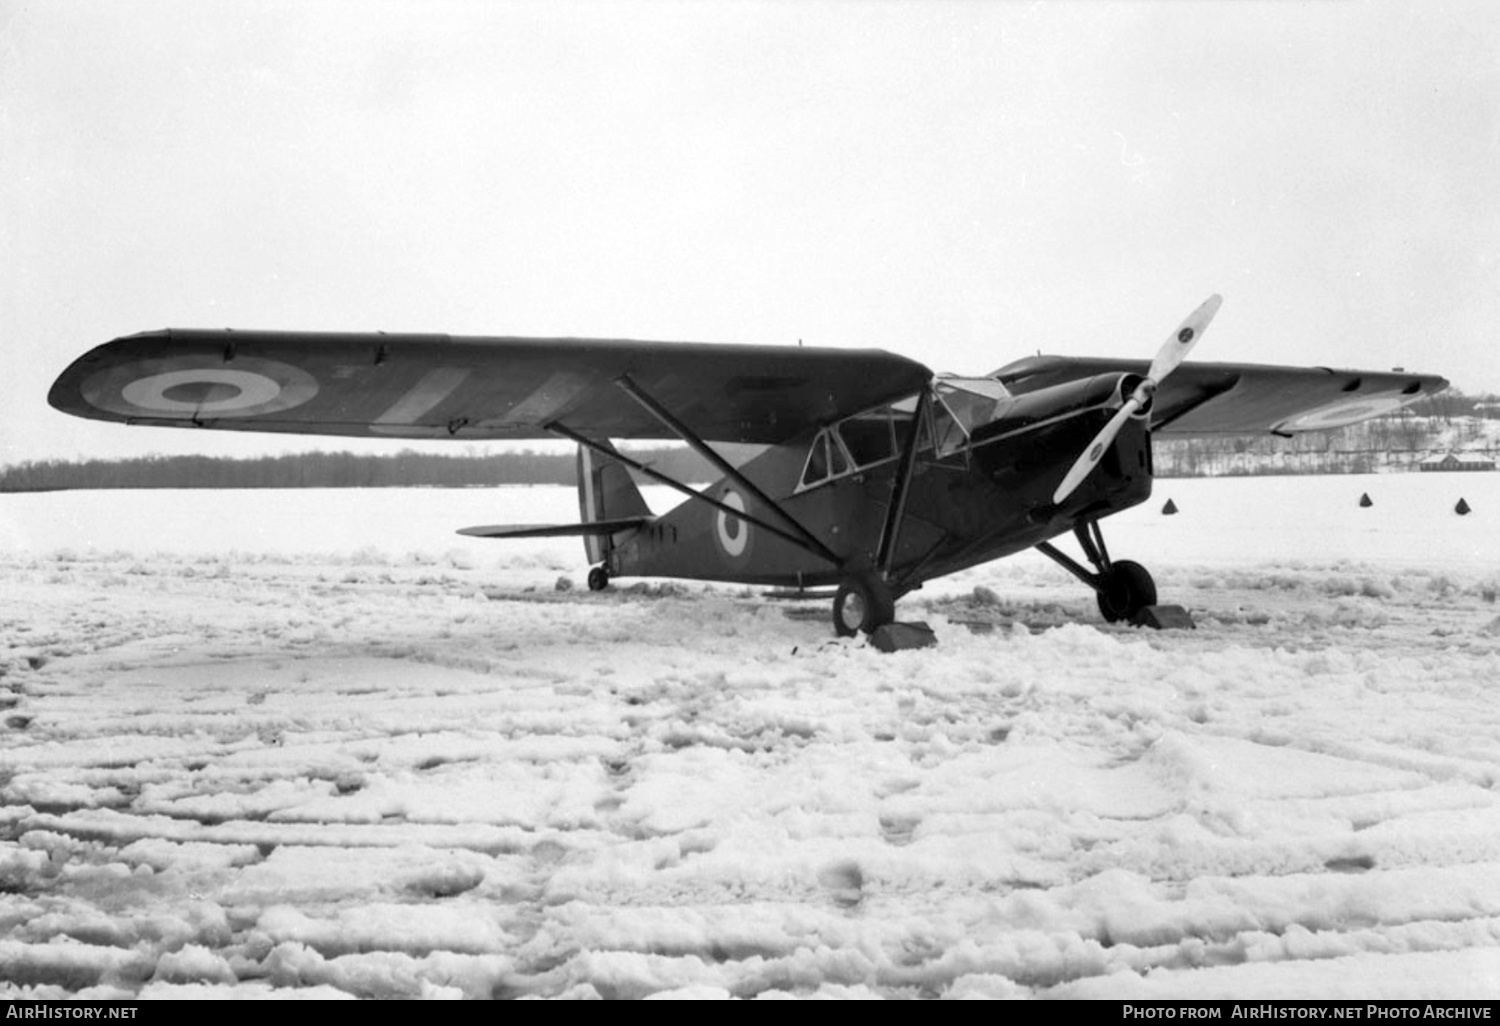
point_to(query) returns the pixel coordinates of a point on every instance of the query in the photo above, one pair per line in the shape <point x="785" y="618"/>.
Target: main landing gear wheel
<point x="1124" y="590"/>
<point x="863" y="603"/>
<point x="598" y="579"/>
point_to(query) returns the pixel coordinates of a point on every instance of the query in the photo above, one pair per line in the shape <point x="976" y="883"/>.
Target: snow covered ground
<point x="313" y="744"/>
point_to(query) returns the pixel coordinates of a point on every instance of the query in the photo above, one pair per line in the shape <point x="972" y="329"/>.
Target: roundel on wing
<point x="1345" y="412"/>
<point x="732" y="532"/>
<point x="199" y="385"/>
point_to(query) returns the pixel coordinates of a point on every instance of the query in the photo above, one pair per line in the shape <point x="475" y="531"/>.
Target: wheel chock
<point x="893" y="637"/>
<point x="1162" y="618"/>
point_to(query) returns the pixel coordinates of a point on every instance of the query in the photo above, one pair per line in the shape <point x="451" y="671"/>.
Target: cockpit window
<point x="949" y="433"/>
<point x="869" y="437"/>
<point x="838" y="463"/>
<point x="817" y="461"/>
<point x="878" y="435"/>
<point x="824" y="460"/>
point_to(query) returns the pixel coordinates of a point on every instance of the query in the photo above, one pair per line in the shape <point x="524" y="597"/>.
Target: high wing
<point x="1241" y="398"/>
<point x="439" y="386"/>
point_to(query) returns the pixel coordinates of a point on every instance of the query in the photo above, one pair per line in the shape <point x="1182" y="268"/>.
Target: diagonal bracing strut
<point x="1091" y="540"/>
<point x="564" y="431"/>
<point x="807" y="540"/>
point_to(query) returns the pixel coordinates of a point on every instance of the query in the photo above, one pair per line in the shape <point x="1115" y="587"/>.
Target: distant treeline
<point x="1401" y="441"/>
<point x="328" y="470"/>
<point x="1452" y="404"/>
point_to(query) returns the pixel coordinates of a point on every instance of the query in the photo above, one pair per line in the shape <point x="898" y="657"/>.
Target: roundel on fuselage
<point x="199" y="386"/>
<point x="732" y="532"/>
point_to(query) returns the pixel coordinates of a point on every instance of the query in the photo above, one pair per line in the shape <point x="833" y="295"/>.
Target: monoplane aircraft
<point x="875" y="474"/>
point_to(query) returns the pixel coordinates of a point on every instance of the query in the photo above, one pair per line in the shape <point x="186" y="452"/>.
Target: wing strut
<point x="562" y="429"/>
<point x="902" y="485"/>
<point x="808" y="540"/>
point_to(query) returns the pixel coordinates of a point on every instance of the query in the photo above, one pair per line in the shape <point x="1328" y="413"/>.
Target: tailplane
<point x="593" y="530"/>
<point x="610" y="502"/>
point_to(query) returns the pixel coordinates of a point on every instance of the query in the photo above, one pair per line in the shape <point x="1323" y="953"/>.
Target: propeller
<point x="1172" y="353"/>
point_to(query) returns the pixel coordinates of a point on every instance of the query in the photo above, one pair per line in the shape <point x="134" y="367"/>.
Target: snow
<point x="312" y="744"/>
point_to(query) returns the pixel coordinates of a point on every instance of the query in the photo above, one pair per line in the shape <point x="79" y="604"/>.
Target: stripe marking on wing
<point x="433" y="387"/>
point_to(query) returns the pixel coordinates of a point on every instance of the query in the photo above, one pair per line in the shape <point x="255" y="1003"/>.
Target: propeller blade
<point x="1095" y="452"/>
<point x="1173" y="351"/>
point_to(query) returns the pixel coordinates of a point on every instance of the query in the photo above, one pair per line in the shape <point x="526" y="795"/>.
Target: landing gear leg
<point x="863" y="603"/>
<point x="598" y="579"/>
<point x="1124" y="588"/>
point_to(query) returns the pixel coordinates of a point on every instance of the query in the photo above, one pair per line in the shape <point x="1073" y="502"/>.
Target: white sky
<point x="963" y="183"/>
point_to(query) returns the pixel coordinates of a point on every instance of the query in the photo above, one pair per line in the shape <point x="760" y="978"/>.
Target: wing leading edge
<point x="440" y="386"/>
<point x="1242" y="398"/>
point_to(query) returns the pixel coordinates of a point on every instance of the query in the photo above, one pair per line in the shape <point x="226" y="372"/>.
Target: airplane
<point x="873" y="476"/>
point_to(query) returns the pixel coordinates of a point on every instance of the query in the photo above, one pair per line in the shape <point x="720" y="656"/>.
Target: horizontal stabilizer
<point x="554" y="530"/>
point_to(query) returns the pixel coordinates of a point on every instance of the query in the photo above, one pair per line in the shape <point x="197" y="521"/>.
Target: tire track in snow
<point x="397" y="789"/>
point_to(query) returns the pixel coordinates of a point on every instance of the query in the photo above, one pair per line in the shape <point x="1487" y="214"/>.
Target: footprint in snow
<point x="845" y="883"/>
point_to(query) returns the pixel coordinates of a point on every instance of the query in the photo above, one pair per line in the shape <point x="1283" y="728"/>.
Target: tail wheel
<point x="598" y="579"/>
<point x="1126" y="589"/>
<point x="863" y="603"/>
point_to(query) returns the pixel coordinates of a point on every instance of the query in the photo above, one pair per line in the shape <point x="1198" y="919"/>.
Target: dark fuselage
<point x="969" y="502"/>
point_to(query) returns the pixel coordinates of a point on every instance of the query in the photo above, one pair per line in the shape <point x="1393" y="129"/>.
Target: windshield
<point x="972" y="401"/>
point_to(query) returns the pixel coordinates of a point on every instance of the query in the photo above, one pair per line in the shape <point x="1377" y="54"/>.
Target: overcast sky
<point x="963" y="183"/>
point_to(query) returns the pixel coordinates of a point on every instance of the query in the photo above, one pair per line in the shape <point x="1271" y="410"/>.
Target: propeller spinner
<point x="1172" y="353"/>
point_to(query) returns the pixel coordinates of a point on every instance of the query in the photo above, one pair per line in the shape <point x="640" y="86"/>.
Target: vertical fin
<point x="606" y="491"/>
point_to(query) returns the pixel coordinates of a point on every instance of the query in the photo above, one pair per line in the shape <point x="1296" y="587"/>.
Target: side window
<point x="950" y="435"/>
<point x="882" y="434"/>
<point x="817" y="461"/>
<point x="825" y="459"/>
<point x="904" y="417"/>
<point x="868" y="439"/>
<point x="837" y="460"/>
